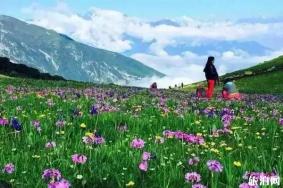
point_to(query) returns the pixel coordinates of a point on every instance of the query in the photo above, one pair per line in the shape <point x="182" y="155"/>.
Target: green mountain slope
<point x="266" y="77"/>
<point x="60" y="55"/>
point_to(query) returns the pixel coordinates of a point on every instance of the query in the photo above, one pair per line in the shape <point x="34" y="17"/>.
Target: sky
<point x="157" y="9"/>
<point x="172" y="36"/>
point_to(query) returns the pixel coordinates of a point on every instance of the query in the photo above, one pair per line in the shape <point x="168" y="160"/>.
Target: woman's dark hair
<point x="210" y="59"/>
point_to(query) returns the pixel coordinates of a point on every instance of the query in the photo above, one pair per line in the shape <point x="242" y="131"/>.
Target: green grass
<point x="256" y="144"/>
<point x="264" y="78"/>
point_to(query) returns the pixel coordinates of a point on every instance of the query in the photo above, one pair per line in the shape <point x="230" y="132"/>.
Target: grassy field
<point x="44" y="124"/>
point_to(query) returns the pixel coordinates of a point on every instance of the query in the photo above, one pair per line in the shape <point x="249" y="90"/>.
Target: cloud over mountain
<point x="177" y="47"/>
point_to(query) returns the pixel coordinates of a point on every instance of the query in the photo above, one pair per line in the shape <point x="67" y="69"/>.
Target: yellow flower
<point x="214" y="150"/>
<point x="228" y="148"/>
<point x="83" y="125"/>
<point x="197" y="122"/>
<point x="130" y="184"/>
<point x="35" y="156"/>
<point x="199" y="134"/>
<point x="237" y="163"/>
<point x="79" y="176"/>
<point x="88" y="134"/>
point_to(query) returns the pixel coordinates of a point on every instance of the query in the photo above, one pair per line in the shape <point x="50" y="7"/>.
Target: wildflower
<point x="146" y="156"/>
<point x="50" y="145"/>
<point x="79" y="159"/>
<point x="9" y="168"/>
<point x="51" y="174"/>
<point x="198" y="186"/>
<point x="228" y="148"/>
<point x="214" y="166"/>
<point x="193" y="161"/>
<point x="237" y="163"/>
<point x="281" y="121"/>
<point x="35" y="156"/>
<point x="36" y="125"/>
<point x="137" y="143"/>
<point x="79" y="176"/>
<point x="246" y="185"/>
<point x="93" y="138"/>
<point x="16" y="125"/>
<point x="4" y="122"/>
<point x="193" y="177"/>
<point x="130" y="184"/>
<point x="83" y="125"/>
<point x="60" y="123"/>
<point x="159" y="140"/>
<point x="143" y="166"/>
<point x="59" y="184"/>
<point x="122" y="128"/>
<point x="94" y="110"/>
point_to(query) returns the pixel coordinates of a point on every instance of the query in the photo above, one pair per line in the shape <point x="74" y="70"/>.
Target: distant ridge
<point x="20" y="70"/>
<point x="58" y="54"/>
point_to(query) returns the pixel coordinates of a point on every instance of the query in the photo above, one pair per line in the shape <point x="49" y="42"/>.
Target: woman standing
<point x="211" y="76"/>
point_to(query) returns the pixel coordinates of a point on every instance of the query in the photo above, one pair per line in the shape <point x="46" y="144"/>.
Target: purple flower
<point x="143" y="166"/>
<point x="50" y="145"/>
<point x="60" y="123"/>
<point x="59" y="184"/>
<point x="16" y="125"/>
<point x="146" y="156"/>
<point x="51" y="174"/>
<point x="193" y="177"/>
<point x="246" y="185"/>
<point x="4" y="122"/>
<point x="79" y="159"/>
<point x="137" y="143"/>
<point x="36" y="125"/>
<point x="281" y="121"/>
<point x="198" y="186"/>
<point x="94" y="110"/>
<point x="193" y="161"/>
<point x="214" y="166"/>
<point x="9" y="168"/>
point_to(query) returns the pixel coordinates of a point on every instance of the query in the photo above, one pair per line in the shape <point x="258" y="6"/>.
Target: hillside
<point x="57" y="54"/>
<point x="19" y="70"/>
<point x="266" y="77"/>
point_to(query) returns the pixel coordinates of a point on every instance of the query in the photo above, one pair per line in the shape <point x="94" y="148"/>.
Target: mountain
<point x="266" y="77"/>
<point x="19" y="70"/>
<point x="55" y="53"/>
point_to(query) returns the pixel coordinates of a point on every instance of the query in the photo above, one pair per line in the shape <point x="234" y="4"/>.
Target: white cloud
<point x="107" y="29"/>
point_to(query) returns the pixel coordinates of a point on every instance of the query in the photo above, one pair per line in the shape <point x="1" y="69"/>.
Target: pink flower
<point x="51" y="174"/>
<point x="137" y="143"/>
<point x="50" y="145"/>
<point x="246" y="185"/>
<point x="193" y="177"/>
<point x="79" y="159"/>
<point x="146" y="156"/>
<point x="4" y="122"/>
<point x="9" y="168"/>
<point x="198" y="186"/>
<point x="60" y="184"/>
<point x="143" y="166"/>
